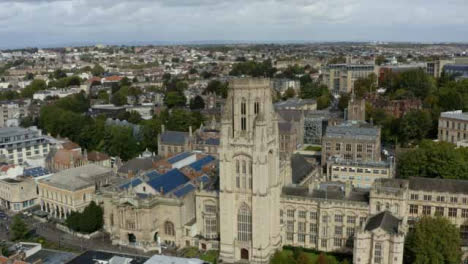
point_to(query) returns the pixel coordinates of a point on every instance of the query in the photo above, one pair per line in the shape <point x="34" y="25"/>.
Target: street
<point x="63" y="239"/>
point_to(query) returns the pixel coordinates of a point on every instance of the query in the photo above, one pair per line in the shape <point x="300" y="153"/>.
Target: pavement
<point x="66" y="240"/>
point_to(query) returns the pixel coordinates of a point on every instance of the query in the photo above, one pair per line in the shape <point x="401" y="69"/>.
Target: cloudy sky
<point x="71" y="22"/>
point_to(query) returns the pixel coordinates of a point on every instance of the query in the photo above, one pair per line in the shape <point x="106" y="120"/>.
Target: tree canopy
<point x="434" y="160"/>
<point x="19" y="228"/>
<point x="89" y="221"/>
<point x="433" y="240"/>
<point x="253" y="68"/>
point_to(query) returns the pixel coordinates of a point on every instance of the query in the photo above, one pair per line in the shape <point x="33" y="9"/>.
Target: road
<point x="63" y="239"/>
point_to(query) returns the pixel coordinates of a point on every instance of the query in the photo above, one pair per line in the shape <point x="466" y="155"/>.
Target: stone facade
<point x="340" y="78"/>
<point x="147" y="223"/>
<point x="453" y="126"/>
<point x="352" y="142"/>
<point x="72" y="189"/>
<point x="18" y="194"/>
<point x="250" y="182"/>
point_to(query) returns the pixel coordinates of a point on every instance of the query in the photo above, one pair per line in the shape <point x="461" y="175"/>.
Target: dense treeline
<point x="434" y="160"/>
<point x="66" y="118"/>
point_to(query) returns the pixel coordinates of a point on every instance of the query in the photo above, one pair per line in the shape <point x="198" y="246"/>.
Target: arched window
<point x="243" y="116"/>
<point x="244" y="224"/>
<point x="169" y="228"/>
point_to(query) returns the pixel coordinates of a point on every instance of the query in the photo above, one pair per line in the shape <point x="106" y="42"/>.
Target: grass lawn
<point x="208" y="256"/>
<point x="312" y="256"/>
<point x="313" y="148"/>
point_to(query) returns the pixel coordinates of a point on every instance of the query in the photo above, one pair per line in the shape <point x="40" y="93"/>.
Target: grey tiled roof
<point x="384" y="220"/>
<point x="333" y="194"/>
<point x="352" y="131"/>
<point x="438" y="185"/>
<point x="284" y="127"/>
<point x="300" y="168"/>
<point x="290" y="115"/>
<point x="174" y="137"/>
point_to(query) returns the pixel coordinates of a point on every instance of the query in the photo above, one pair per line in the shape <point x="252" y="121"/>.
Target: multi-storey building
<point x="18" y="194"/>
<point x="17" y="144"/>
<point x="352" y="142"/>
<point x="356" y="109"/>
<point x="72" y="189"/>
<point x="12" y="112"/>
<point x="340" y="78"/>
<point x="435" y="68"/>
<point x="250" y="181"/>
<point x="360" y="174"/>
<point x="255" y="206"/>
<point x="453" y="126"/>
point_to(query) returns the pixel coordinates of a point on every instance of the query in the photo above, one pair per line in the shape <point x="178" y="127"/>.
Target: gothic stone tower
<point x="250" y="183"/>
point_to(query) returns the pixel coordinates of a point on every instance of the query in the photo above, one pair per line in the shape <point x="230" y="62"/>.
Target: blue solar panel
<point x="35" y="172"/>
<point x="203" y="179"/>
<point x="179" y="157"/>
<point x="168" y="181"/>
<point x="184" y="190"/>
<point x="199" y="164"/>
<point x="152" y="175"/>
<point x="133" y="183"/>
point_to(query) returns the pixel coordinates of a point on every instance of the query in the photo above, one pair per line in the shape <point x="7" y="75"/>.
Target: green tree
<point x="343" y="101"/>
<point x="414" y="126"/>
<point x="151" y="128"/>
<point x="197" y="103"/>
<point x="34" y="86"/>
<point x="97" y="70"/>
<point x="434" y="160"/>
<point x="174" y="99"/>
<point x="90" y="220"/>
<point x="302" y="258"/>
<point x="134" y="117"/>
<point x="362" y="86"/>
<point x="217" y="87"/>
<point x="322" y="259"/>
<point x="19" y="228"/>
<point x="433" y="240"/>
<point x="379" y="60"/>
<point x="119" y="98"/>
<point x="289" y="93"/>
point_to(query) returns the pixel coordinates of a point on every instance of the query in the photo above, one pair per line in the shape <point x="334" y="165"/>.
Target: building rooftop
<point x="76" y="178"/>
<point x="353" y="131"/>
<point x="174" y="137"/>
<point x="162" y="259"/>
<point x="438" y="185"/>
<point x="327" y="193"/>
<point x="300" y="168"/>
<point x="455" y="115"/>
<point x="384" y="220"/>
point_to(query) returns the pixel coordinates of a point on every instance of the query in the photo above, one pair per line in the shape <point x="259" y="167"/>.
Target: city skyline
<point x="52" y="23"/>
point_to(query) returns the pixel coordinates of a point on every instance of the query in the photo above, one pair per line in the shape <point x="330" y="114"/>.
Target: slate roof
<point x="184" y="190"/>
<point x="300" y="168"/>
<point x="136" y="165"/>
<point x="199" y="164"/>
<point x="290" y="115"/>
<point x="133" y="183"/>
<point x="152" y="175"/>
<point x="352" y="131"/>
<point x="168" y="181"/>
<point x="179" y="157"/>
<point x="174" y="137"/>
<point x="212" y="141"/>
<point x="438" y="185"/>
<point x="285" y="127"/>
<point x="384" y="220"/>
<point x="333" y="194"/>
